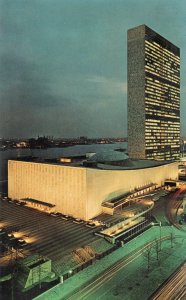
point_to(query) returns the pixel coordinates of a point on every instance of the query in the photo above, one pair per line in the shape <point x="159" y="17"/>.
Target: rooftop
<point x="106" y="160"/>
<point x="132" y="164"/>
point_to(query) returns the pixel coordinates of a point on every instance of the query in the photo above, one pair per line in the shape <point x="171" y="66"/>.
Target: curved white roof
<point x="106" y="156"/>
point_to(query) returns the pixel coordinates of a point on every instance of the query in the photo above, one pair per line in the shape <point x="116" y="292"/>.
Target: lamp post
<point x="160" y="234"/>
<point x="158" y="223"/>
<point x="171" y="236"/>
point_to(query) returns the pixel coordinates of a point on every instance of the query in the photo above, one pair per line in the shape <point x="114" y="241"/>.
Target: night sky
<point x="63" y="63"/>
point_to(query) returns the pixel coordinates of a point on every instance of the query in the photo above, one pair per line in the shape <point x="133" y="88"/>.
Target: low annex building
<point x="80" y="190"/>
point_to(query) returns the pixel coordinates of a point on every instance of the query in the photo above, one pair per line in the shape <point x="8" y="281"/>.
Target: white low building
<point x="80" y="190"/>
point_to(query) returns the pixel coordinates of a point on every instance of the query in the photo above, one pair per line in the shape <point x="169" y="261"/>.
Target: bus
<point x="172" y="185"/>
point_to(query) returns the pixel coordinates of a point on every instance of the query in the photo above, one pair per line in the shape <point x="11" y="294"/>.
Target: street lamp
<point x="70" y="273"/>
<point x="172" y="236"/>
<point x="158" y="223"/>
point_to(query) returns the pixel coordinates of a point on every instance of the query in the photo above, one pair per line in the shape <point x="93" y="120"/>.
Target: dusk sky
<point x="63" y="63"/>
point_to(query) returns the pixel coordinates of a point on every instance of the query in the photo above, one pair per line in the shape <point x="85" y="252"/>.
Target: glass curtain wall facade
<point x="153" y="96"/>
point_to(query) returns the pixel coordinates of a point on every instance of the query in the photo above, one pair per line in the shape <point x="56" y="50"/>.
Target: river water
<point x="49" y="153"/>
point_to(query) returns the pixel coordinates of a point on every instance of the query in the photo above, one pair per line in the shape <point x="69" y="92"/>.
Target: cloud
<point x="110" y="84"/>
<point x="26" y="98"/>
<point x="23" y="84"/>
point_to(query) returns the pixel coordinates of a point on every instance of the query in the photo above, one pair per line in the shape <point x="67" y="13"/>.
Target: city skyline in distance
<point x="64" y="66"/>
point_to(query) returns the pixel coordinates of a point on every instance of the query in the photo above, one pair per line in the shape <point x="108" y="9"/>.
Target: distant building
<point x="22" y="145"/>
<point x="153" y="96"/>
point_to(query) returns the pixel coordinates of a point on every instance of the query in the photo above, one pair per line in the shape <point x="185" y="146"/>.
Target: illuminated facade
<point x="153" y="96"/>
<point x="80" y="191"/>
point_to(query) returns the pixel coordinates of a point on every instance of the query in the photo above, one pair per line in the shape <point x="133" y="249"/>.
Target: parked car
<point x="2" y="232"/>
<point x="65" y="217"/>
<point x="78" y="221"/>
<point x="21" y="243"/>
<point x="90" y="224"/>
<point x="56" y="214"/>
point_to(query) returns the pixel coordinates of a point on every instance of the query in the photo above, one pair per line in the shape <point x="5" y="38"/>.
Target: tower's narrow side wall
<point x="136" y="93"/>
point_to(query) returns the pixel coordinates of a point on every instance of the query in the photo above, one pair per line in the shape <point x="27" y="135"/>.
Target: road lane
<point x="174" y="288"/>
<point x="87" y="291"/>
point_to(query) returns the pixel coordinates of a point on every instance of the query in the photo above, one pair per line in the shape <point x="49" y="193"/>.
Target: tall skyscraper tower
<point x="153" y="96"/>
